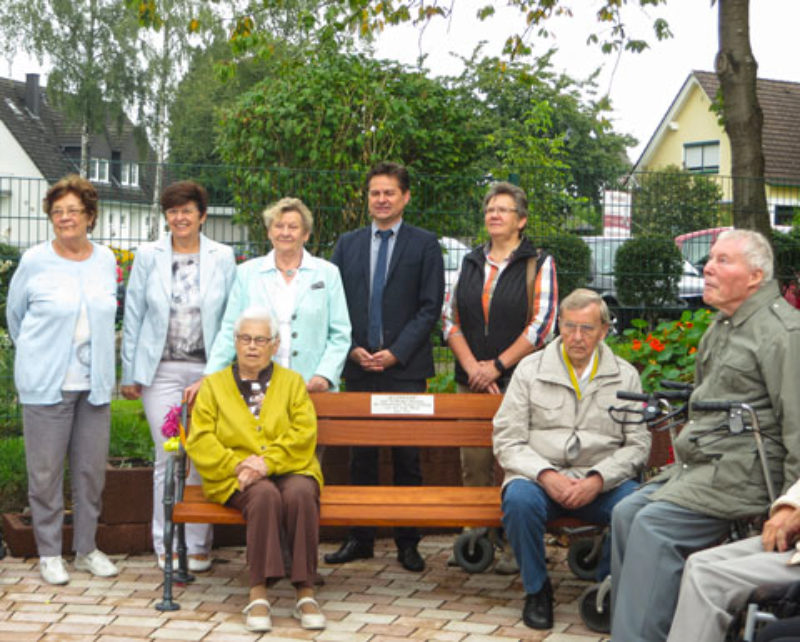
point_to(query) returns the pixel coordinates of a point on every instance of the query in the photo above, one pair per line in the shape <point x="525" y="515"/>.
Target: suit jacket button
<point x="294" y="353"/>
<point x="294" y="335"/>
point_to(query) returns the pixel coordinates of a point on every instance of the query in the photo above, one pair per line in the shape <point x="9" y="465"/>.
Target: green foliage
<point x="13" y="474"/>
<point x="9" y="260"/>
<point x="442" y="382"/>
<point x="10" y="422"/>
<point x="668" y="352"/>
<point x="130" y="432"/>
<point x="647" y="271"/>
<point x="674" y="201"/>
<point x="573" y="261"/>
<point x="787" y="257"/>
<point x="342" y="113"/>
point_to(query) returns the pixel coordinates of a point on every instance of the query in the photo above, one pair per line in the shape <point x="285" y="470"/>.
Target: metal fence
<point x="687" y="208"/>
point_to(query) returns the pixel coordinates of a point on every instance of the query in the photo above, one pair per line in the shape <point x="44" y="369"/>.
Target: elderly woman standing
<point x="502" y="308"/>
<point x="253" y="436"/>
<point x="60" y="309"/>
<point x="304" y="294"/>
<point x="173" y="307"/>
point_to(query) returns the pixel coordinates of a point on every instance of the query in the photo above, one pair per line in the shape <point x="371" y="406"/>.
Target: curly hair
<point x="80" y="187"/>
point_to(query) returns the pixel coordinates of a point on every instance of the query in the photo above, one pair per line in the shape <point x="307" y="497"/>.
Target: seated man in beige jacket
<point x="561" y="452"/>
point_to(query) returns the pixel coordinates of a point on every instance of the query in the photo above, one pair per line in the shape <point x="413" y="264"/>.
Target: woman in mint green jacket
<point x="303" y="293"/>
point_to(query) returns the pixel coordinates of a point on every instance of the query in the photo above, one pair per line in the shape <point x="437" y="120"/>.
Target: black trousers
<point x="405" y="459"/>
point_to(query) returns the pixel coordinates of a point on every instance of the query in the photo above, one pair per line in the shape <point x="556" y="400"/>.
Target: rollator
<point x="658" y="413"/>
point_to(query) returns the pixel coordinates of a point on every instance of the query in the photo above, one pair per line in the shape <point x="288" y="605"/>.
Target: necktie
<point x="375" y="329"/>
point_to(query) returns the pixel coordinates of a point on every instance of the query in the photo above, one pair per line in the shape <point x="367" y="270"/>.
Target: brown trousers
<point x="277" y="509"/>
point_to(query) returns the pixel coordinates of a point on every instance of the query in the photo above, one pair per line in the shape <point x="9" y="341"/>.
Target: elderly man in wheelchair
<point x="727" y="464"/>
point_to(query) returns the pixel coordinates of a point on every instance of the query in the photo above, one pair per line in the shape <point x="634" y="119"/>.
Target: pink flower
<point x="170" y="427"/>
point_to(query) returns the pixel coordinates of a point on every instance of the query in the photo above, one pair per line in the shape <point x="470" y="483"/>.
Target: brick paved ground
<point x="373" y="600"/>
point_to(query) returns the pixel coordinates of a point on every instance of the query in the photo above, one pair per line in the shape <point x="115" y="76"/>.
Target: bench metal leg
<point x="167" y="603"/>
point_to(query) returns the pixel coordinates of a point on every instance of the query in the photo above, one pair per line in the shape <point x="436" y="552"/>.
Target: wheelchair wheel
<point x="473" y="553"/>
<point x="583" y="557"/>
<point x="599" y="621"/>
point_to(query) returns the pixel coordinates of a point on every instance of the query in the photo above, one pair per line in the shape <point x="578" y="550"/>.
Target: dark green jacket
<point x="754" y="357"/>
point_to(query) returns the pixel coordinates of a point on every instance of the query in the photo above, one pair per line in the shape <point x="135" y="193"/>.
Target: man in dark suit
<point x="393" y="278"/>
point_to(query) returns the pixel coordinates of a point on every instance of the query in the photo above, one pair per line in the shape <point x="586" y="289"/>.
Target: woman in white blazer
<point x="174" y="304"/>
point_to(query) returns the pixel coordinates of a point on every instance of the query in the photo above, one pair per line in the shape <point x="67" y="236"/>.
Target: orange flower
<point x="689" y="324"/>
<point x="692" y="350"/>
<point x="656" y="345"/>
<point x="636" y="345"/>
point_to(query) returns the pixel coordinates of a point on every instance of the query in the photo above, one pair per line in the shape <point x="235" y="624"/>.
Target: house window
<point x="701" y="157"/>
<point x="130" y="174"/>
<point x="98" y="170"/>
<point x="784" y="214"/>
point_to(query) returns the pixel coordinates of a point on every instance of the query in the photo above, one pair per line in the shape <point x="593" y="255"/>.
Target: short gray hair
<point x="288" y="204"/>
<point x="582" y="298"/>
<point x="515" y="192"/>
<point x="259" y="314"/>
<point x="757" y="251"/>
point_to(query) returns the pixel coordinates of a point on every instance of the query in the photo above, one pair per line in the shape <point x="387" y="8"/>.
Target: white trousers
<point x="717" y="582"/>
<point x="166" y="391"/>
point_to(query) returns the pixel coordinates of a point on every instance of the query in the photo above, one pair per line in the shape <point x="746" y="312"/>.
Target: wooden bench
<point x="347" y="419"/>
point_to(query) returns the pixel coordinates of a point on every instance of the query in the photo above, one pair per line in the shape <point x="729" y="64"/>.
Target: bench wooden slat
<point x="446" y="406"/>
<point x="411" y="432"/>
<point x="449" y="506"/>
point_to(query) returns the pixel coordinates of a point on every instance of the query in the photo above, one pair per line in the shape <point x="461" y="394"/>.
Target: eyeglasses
<point x="574" y="328"/>
<point x="260" y="341"/>
<point x="500" y="210"/>
<point x="72" y="212"/>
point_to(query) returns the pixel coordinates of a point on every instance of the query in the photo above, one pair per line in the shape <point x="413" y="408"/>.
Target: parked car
<point x="696" y="246"/>
<point x="601" y="278"/>
<point x="453" y="252"/>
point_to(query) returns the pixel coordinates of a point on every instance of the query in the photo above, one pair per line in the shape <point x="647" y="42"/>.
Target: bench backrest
<point x="348" y="419"/>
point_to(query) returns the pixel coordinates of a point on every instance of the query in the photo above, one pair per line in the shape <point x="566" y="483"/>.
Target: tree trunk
<point x="737" y="71"/>
<point x="85" y="149"/>
<point x="160" y="127"/>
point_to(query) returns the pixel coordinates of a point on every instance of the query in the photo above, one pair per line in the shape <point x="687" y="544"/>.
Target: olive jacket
<point x="752" y="356"/>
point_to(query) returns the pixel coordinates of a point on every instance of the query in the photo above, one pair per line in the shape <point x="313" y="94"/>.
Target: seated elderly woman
<point x="252" y="439"/>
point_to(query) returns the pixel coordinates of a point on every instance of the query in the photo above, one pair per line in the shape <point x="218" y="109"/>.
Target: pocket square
<point x="318" y="285"/>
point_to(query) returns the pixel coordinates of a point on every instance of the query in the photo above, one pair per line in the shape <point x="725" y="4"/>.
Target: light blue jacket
<point x="147" y="303"/>
<point x="44" y="300"/>
<point x="320" y="324"/>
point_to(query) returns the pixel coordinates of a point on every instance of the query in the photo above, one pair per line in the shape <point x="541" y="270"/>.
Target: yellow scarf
<point x="572" y="376"/>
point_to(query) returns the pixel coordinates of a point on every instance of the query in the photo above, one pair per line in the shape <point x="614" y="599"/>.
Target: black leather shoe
<point x="538" y="610"/>
<point x="411" y="559"/>
<point x="351" y="550"/>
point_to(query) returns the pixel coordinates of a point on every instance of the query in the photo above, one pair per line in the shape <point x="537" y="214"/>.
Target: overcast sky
<point x="643" y="85"/>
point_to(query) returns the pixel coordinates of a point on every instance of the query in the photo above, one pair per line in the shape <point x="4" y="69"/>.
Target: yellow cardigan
<point x="224" y="432"/>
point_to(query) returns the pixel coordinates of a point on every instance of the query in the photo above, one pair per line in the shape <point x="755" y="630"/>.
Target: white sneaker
<point x="199" y="562"/>
<point x="96" y="563"/>
<point x="53" y="570"/>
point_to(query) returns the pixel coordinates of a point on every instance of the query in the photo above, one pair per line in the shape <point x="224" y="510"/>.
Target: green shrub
<point x="13" y="475"/>
<point x="9" y="260"/>
<point x="573" y="260"/>
<point x="130" y="432"/>
<point x="647" y="271"/>
<point x="787" y="257"/>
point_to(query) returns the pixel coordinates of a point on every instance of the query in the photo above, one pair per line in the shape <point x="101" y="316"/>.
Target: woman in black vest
<point x="502" y="308"/>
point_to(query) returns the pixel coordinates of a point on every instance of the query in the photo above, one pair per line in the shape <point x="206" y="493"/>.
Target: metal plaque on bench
<point x="402" y="404"/>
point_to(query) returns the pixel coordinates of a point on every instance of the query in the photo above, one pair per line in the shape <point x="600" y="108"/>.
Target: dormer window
<point x="702" y="157"/>
<point x="98" y="170"/>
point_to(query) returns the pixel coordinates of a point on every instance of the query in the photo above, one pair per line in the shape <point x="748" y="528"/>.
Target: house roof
<point x="780" y="102"/>
<point x="44" y="137"/>
<point x="35" y="134"/>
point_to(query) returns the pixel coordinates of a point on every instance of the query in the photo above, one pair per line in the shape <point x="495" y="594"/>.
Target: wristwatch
<point x="500" y="366"/>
